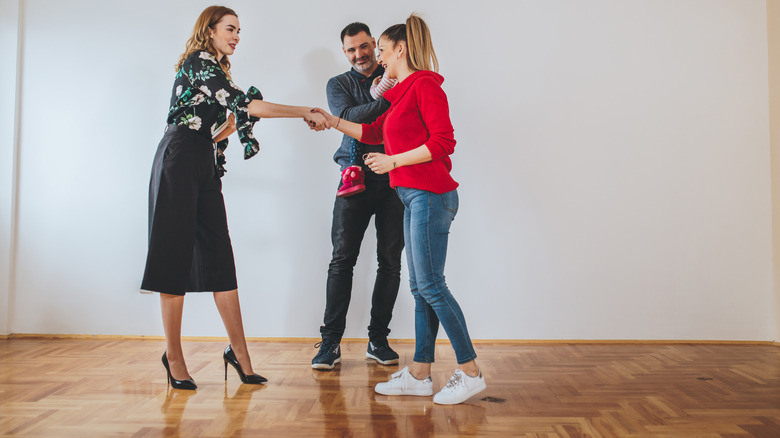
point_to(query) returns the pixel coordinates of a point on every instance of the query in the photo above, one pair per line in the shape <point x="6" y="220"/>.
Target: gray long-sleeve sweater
<point x="349" y="97"/>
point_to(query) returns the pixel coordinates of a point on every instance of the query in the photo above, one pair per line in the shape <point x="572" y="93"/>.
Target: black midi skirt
<point x="189" y="243"/>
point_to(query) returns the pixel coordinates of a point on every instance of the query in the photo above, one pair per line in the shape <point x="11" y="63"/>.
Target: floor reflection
<point x="237" y="406"/>
<point x="331" y="400"/>
<point x="173" y="410"/>
<point x="464" y="419"/>
<point x="384" y="422"/>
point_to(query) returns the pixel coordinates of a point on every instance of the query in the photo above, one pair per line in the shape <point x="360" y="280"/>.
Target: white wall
<point x="612" y="155"/>
<point x="9" y="11"/>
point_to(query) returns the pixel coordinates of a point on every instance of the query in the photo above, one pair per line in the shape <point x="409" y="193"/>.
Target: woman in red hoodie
<point x="418" y="138"/>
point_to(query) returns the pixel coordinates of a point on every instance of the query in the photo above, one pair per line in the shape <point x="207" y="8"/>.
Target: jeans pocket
<point x="450" y="201"/>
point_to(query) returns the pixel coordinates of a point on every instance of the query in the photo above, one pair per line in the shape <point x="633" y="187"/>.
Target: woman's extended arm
<point x="269" y="110"/>
<point x="354" y="130"/>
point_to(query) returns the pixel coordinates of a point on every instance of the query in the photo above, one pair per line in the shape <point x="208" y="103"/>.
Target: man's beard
<point x="365" y="66"/>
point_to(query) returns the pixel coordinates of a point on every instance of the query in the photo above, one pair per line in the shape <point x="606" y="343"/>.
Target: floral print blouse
<point x="202" y="93"/>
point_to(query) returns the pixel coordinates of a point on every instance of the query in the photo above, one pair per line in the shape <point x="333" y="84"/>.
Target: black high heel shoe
<point x="230" y="357"/>
<point x="177" y="384"/>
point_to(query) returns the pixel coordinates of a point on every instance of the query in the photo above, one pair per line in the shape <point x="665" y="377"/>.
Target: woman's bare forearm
<point x="270" y="110"/>
<point x="352" y="129"/>
<point x="417" y="155"/>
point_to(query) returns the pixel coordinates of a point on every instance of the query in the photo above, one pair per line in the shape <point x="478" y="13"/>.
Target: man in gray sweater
<point x="349" y="98"/>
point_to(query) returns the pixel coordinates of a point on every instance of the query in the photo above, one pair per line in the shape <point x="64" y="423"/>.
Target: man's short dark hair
<point x="353" y="29"/>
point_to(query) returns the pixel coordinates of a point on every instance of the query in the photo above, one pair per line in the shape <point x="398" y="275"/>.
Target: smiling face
<point x="224" y="35"/>
<point x="390" y="54"/>
<point x="359" y="50"/>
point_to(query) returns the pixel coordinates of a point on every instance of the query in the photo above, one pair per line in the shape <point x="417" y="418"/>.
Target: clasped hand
<point x="319" y="119"/>
<point x="316" y="120"/>
<point x="330" y="119"/>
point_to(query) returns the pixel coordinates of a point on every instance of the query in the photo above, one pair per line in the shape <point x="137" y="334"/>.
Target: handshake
<point x="319" y="120"/>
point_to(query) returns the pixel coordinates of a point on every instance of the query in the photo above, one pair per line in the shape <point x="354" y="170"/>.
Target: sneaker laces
<point x="325" y="344"/>
<point x="405" y="382"/>
<point x="455" y="381"/>
<point x="397" y="374"/>
<point x="400" y="375"/>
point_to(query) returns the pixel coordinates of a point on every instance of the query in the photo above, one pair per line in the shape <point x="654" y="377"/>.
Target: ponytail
<point x="418" y="42"/>
<point x="419" y="47"/>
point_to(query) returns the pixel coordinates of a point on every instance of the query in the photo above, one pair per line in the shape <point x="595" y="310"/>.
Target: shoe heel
<point x="177" y="384"/>
<point x="230" y="357"/>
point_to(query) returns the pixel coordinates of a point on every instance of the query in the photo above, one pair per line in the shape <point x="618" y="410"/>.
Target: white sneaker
<point x="403" y="383"/>
<point x="460" y="388"/>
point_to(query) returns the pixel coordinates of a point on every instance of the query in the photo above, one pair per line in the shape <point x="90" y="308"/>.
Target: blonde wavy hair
<point x="201" y="40"/>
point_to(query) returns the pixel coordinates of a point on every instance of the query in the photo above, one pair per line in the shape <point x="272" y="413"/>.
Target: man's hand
<point x="316" y="120"/>
<point x="332" y="120"/>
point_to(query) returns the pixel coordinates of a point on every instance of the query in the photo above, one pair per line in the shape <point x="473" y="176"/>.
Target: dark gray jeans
<point x="351" y="216"/>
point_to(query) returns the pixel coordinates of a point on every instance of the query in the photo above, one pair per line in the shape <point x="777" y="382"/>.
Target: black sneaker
<point x="382" y="353"/>
<point x="328" y="356"/>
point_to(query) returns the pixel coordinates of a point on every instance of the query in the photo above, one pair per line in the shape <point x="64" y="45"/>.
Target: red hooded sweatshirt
<point x="418" y="114"/>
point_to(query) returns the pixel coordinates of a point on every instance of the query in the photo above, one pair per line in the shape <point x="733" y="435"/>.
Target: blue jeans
<point x="427" y="220"/>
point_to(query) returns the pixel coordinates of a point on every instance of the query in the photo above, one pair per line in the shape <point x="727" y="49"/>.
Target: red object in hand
<point x="352" y="179"/>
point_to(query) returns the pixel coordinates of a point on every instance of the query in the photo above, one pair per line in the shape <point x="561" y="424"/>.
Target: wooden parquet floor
<point x="117" y="388"/>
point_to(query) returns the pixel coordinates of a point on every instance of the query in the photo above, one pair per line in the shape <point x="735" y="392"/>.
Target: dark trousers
<point x="189" y="243"/>
<point x="351" y="216"/>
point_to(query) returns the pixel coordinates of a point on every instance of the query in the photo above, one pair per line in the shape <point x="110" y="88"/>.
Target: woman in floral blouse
<point x="189" y="245"/>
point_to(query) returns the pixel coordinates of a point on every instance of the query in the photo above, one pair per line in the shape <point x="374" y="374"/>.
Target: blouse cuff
<point x="245" y="123"/>
<point x="221" y="146"/>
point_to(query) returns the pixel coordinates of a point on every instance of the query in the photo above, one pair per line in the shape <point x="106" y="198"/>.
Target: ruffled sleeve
<point x="245" y="122"/>
<point x="207" y="76"/>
